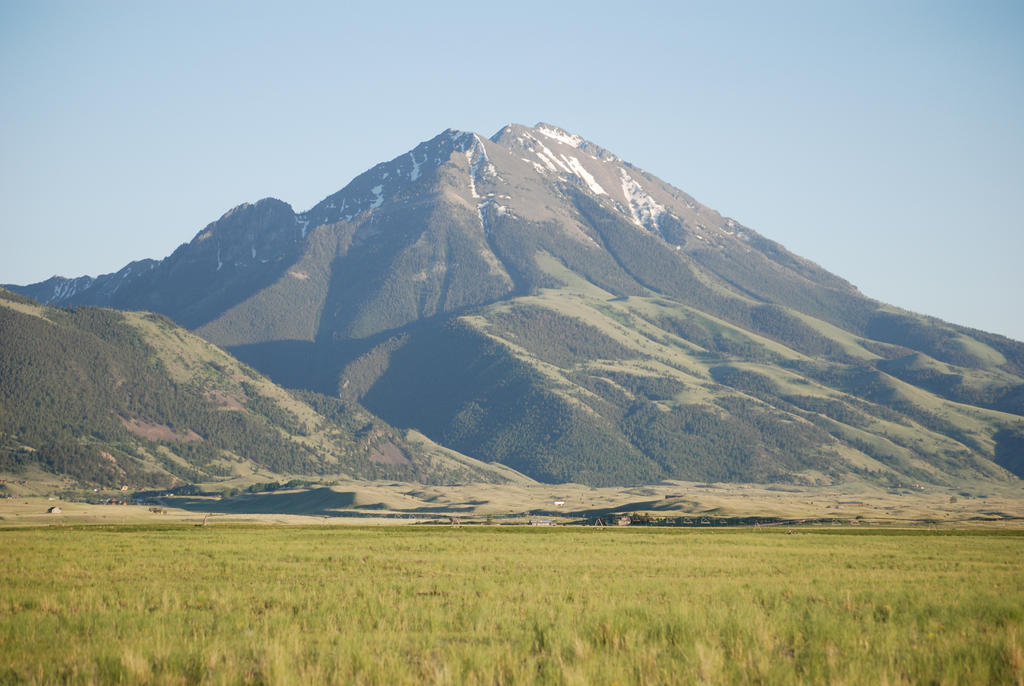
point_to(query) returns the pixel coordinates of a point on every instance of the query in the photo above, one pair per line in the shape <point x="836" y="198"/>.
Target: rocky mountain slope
<point x="534" y="300"/>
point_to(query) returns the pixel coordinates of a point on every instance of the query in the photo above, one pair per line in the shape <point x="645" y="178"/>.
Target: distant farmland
<point x="485" y="605"/>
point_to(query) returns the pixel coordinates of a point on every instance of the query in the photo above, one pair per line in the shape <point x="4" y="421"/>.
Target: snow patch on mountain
<point x="536" y="165"/>
<point x="580" y="171"/>
<point x="415" y="173"/>
<point x="472" y="172"/>
<point x="559" y="135"/>
<point x="547" y="162"/>
<point x="378" y="192"/>
<point x="67" y="288"/>
<point x="549" y="159"/>
<point x="479" y="165"/>
<point x="476" y="154"/>
<point x="644" y="209"/>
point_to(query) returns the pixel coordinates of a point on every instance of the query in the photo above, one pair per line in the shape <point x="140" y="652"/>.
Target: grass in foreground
<point x="508" y="605"/>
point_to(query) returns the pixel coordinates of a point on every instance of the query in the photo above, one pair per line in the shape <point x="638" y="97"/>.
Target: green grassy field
<point x="489" y="605"/>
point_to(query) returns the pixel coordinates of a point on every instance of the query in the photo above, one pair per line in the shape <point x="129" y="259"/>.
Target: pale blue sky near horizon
<point x="882" y="140"/>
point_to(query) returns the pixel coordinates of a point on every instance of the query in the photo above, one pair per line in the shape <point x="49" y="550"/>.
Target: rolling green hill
<point x="607" y="391"/>
<point x="111" y="398"/>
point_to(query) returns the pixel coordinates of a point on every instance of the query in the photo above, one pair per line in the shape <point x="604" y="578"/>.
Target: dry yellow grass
<point x="360" y="502"/>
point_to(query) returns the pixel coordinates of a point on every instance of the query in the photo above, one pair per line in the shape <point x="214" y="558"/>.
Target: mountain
<point x="532" y="299"/>
<point x="128" y="398"/>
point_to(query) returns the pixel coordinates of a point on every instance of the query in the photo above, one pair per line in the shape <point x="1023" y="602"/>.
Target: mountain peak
<point x="549" y="131"/>
<point x="559" y="134"/>
<point x="516" y="135"/>
<point x="534" y="300"/>
<point x="263" y="205"/>
<point x="449" y="135"/>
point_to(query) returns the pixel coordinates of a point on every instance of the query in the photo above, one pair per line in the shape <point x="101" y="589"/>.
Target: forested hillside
<point x="577" y="384"/>
<point x="112" y="398"/>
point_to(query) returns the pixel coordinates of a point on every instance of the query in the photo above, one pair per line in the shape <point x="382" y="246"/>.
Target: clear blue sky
<point x="883" y="140"/>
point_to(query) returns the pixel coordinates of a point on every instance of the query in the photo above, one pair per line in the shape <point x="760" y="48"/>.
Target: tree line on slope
<point x="69" y="383"/>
